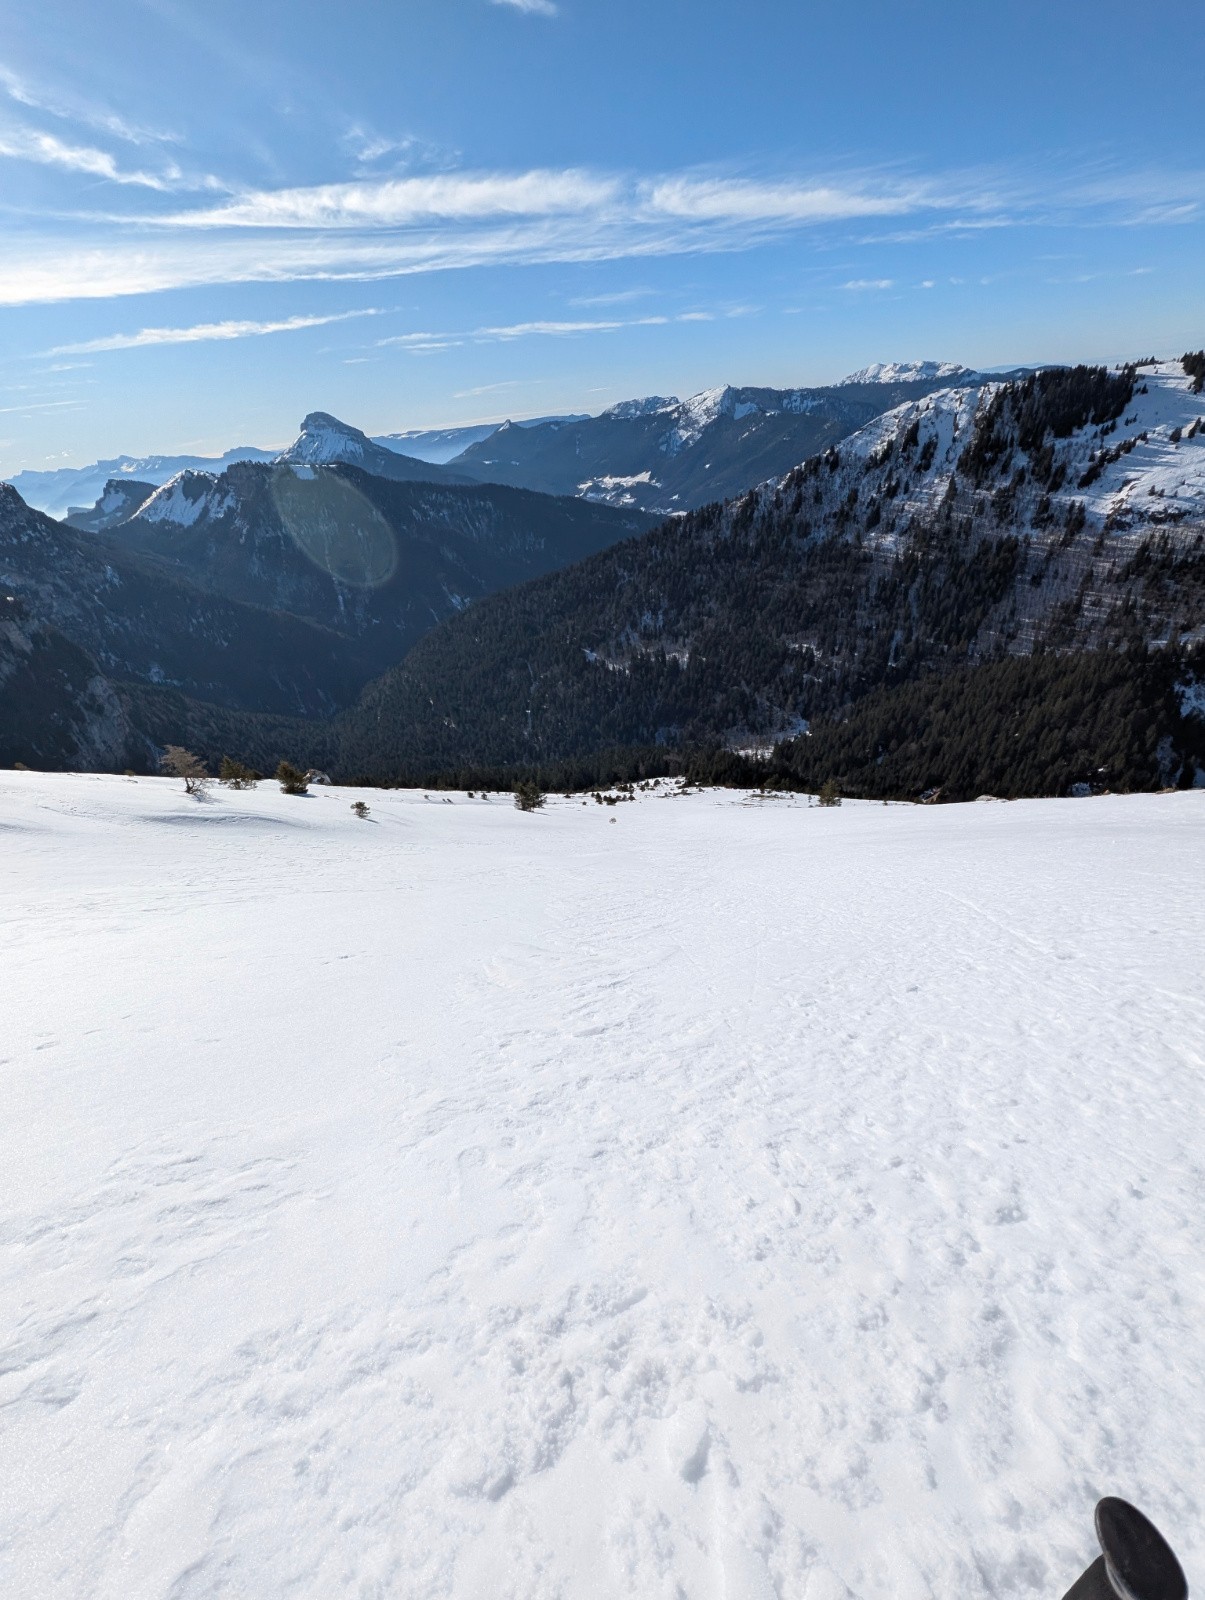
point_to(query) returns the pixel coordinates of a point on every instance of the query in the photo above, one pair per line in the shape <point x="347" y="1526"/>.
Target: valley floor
<point x="702" y="1197"/>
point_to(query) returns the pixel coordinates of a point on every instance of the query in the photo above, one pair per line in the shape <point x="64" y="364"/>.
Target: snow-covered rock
<point x="614" y="489"/>
<point x="649" y="406"/>
<point x="185" y="499"/>
<point x="324" y="438"/>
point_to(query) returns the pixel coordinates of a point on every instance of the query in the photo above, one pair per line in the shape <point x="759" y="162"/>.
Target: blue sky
<point x="218" y="216"/>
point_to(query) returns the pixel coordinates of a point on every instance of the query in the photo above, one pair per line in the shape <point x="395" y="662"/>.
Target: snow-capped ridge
<point x="1143" y="469"/>
<point x="650" y="406"/>
<point x="907" y="372"/>
<point x="185" y="499"/>
<point x="325" y="438"/>
<point x="696" y="414"/>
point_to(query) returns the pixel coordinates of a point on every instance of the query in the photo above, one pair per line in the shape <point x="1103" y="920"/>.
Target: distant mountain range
<point x="441" y="444"/>
<point x="349" y="605"/>
<point x="666" y="455"/>
<point x="658" y="453"/>
<point x="275" y="588"/>
<point x="70" y="492"/>
<point x="62" y="490"/>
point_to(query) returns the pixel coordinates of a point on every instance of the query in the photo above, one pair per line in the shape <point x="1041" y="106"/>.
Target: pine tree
<point x="291" y="779"/>
<point x="528" y="795"/>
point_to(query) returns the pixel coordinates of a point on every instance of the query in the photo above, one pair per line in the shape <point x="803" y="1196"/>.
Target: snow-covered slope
<point x="1145" y="468"/>
<point x="698" y="1197"/>
<point x="186" y="499"/>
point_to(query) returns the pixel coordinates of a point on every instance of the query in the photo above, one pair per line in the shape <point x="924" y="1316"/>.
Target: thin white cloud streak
<point x="524" y="330"/>
<point x="735" y="200"/>
<point x="70" y="108"/>
<point x="531" y="8"/>
<point x="425" y="343"/>
<point x="201" y="332"/>
<point x="619" y="298"/>
<point x="39" y="405"/>
<point x="860" y="284"/>
<point x="46" y="150"/>
<point x="402" y="202"/>
<point x="45" y="271"/>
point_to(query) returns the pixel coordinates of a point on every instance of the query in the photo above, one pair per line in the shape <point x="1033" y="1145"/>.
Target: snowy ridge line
<point x="184" y="499"/>
<point x="907" y="372"/>
<point x="1146" y="470"/>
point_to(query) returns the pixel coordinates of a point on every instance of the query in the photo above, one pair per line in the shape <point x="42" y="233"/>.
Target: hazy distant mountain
<point x="441" y="444"/>
<point x="944" y="372"/>
<point x="665" y="455"/>
<point x="58" y="491"/>
<point x="657" y="453"/>
<point x="120" y="500"/>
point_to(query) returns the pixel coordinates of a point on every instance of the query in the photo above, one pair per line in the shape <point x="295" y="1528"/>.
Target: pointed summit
<point x="325" y="440"/>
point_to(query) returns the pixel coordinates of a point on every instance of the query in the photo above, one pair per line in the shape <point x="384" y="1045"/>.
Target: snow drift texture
<point x="700" y="1197"/>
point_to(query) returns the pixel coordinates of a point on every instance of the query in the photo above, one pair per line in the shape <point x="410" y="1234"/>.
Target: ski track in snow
<point x="706" y="1197"/>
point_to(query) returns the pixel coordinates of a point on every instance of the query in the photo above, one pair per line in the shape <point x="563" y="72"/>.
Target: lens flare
<point x="336" y="526"/>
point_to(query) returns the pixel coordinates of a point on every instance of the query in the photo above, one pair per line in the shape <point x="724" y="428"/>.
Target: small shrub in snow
<point x="291" y="779"/>
<point x="528" y="795"/>
<point x="829" y="795"/>
<point x="234" y="775"/>
<point x="360" y="807"/>
<point x="178" y="762"/>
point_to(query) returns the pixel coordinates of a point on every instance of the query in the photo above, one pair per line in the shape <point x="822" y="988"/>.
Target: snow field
<point x="702" y="1197"/>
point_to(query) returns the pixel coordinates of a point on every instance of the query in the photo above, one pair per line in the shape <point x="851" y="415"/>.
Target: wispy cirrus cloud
<point x="732" y="200"/>
<point x="201" y="332"/>
<point x="559" y="330"/>
<point x="860" y="285"/>
<point x="70" y="107"/>
<point x="387" y="227"/>
<point x="19" y="143"/>
<point x="427" y="343"/>
<point x="402" y="202"/>
<point x="532" y="8"/>
<point x="73" y="150"/>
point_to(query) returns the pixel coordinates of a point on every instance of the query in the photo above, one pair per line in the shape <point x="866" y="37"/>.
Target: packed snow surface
<point x="706" y="1196"/>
